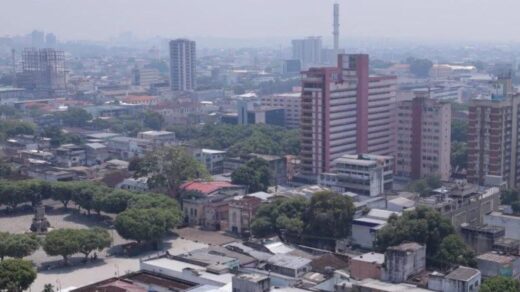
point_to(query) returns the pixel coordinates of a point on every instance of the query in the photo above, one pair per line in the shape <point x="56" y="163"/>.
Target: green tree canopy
<point x="62" y="242"/>
<point x="93" y="239"/>
<point x="11" y="128"/>
<point x="116" y="201"/>
<point x="146" y="224"/>
<point x="16" y="275"/>
<point x="499" y="283"/>
<point x="459" y="131"/>
<point x="169" y="167"/>
<point x="425" y="226"/>
<point x="255" y="174"/>
<point x="75" y="117"/>
<point x="453" y="251"/>
<point x="459" y="155"/>
<point x="424" y="186"/>
<point x="63" y="192"/>
<point x="241" y="140"/>
<point x="66" y="242"/>
<point x="329" y="215"/>
<point x="153" y="120"/>
<point x="21" y="245"/>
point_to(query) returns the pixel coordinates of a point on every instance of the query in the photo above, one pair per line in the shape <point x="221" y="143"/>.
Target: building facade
<point x="363" y="174"/>
<point x="182" y="65"/>
<point x="308" y="51"/>
<point x="43" y="72"/>
<point x="290" y="102"/>
<point x="493" y="140"/>
<point x="344" y="111"/>
<point x="423" y="138"/>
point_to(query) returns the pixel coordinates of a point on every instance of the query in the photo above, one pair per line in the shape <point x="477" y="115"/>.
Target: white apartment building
<point x="290" y="102"/>
<point x="364" y="174"/>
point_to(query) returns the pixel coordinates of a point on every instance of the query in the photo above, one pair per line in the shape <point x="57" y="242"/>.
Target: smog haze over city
<point x="476" y="20"/>
<point x="260" y="145"/>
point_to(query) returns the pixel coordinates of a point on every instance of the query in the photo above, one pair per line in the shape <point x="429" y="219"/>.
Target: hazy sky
<point x="427" y="19"/>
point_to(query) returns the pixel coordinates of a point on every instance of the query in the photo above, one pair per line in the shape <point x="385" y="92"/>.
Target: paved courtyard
<point x="51" y="270"/>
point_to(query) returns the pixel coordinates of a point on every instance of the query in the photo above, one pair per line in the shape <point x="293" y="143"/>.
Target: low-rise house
<point x="127" y="148"/>
<point x="212" y="261"/>
<point x="492" y="264"/>
<point x="70" y="155"/>
<point x="241" y="214"/>
<point x="101" y="136"/>
<point x="45" y="156"/>
<point x="37" y="170"/>
<point x="25" y="142"/>
<point x="158" y="138"/>
<point x="195" y="275"/>
<point x="251" y="283"/>
<point x="208" y="205"/>
<point x="481" y="237"/>
<point x="510" y="223"/>
<point x="364" y="229"/>
<point x="508" y="246"/>
<point x="288" y="265"/>
<point x="134" y="184"/>
<point x="96" y="153"/>
<point x="368" y="265"/>
<point x="400" y="204"/>
<point x="462" y="279"/>
<point x="463" y="203"/>
<point x="374" y="285"/>
<point x="277" y="165"/>
<point x="212" y="159"/>
<point x="403" y="261"/>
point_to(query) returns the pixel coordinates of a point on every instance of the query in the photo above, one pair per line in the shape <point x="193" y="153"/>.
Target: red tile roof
<point x="206" y="187"/>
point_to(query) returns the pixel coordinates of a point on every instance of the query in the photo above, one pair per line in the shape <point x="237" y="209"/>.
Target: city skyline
<point x="402" y="19"/>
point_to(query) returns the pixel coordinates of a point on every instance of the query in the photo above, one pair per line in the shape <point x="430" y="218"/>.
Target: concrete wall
<point x="360" y="270"/>
<point x="510" y="223"/>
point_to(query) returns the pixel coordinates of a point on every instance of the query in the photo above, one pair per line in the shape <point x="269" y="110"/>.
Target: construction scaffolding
<point x="43" y="71"/>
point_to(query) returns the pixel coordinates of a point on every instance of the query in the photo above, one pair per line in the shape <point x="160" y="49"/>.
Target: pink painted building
<point x="423" y="138"/>
<point x="344" y="110"/>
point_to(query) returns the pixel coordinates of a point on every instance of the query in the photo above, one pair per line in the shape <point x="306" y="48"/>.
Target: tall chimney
<point x="13" y="56"/>
<point x="336" y="27"/>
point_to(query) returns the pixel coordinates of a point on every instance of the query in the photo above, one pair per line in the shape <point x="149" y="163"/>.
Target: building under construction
<point x="43" y="72"/>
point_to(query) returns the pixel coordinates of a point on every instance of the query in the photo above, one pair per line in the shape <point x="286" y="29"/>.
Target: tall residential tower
<point x="423" y="137"/>
<point x="493" y="138"/>
<point x="182" y="65"/>
<point x="43" y="72"/>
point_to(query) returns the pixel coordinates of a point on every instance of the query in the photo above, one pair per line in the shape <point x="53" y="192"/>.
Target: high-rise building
<point x="344" y="111"/>
<point x="423" y="137"/>
<point x="291" y="67"/>
<point x="147" y="77"/>
<point x="50" y="40"/>
<point x="43" y="72"/>
<point x="37" y="38"/>
<point x="327" y="129"/>
<point x="290" y="102"/>
<point x="308" y="51"/>
<point x="493" y="140"/>
<point x="375" y="105"/>
<point x="182" y="65"/>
